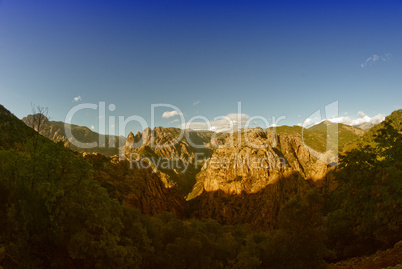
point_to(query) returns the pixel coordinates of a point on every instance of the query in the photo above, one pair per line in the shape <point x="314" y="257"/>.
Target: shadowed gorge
<point x="259" y="209"/>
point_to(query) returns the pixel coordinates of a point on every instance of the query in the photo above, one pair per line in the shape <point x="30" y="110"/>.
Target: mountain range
<point x="305" y="151"/>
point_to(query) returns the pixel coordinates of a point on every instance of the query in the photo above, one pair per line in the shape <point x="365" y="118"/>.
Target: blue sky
<point x="278" y="58"/>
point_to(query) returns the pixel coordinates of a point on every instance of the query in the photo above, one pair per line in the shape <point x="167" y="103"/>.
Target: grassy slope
<point x="316" y="136"/>
<point x="13" y="133"/>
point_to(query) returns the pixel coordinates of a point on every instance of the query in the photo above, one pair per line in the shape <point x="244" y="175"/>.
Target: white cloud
<point x="196" y="103"/>
<point x="78" y="98"/>
<point x="362" y="118"/>
<point x="173" y="121"/>
<point x="170" y="114"/>
<point x="374" y="58"/>
<point x="306" y="122"/>
<point x="220" y="124"/>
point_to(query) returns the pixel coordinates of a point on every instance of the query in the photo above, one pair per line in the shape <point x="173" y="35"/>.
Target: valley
<point x="267" y="188"/>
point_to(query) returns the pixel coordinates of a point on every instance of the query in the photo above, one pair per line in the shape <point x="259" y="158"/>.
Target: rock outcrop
<point x="252" y="159"/>
<point x="169" y="143"/>
<point x="175" y="155"/>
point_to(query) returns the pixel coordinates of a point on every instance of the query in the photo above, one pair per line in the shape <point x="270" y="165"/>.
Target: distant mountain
<point x="324" y="135"/>
<point x="314" y="137"/>
<point x="55" y="131"/>
<point x="364" y="126"/>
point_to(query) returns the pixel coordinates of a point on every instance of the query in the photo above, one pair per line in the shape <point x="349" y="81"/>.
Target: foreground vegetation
<point x="53" y="214"/>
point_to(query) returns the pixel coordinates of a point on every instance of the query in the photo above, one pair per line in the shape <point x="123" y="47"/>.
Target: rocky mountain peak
<point x="34" y="119"/>
<point x="130" y="137"/>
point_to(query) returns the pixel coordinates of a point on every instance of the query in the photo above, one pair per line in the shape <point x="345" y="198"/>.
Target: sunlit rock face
<point x="250" y="160"/>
